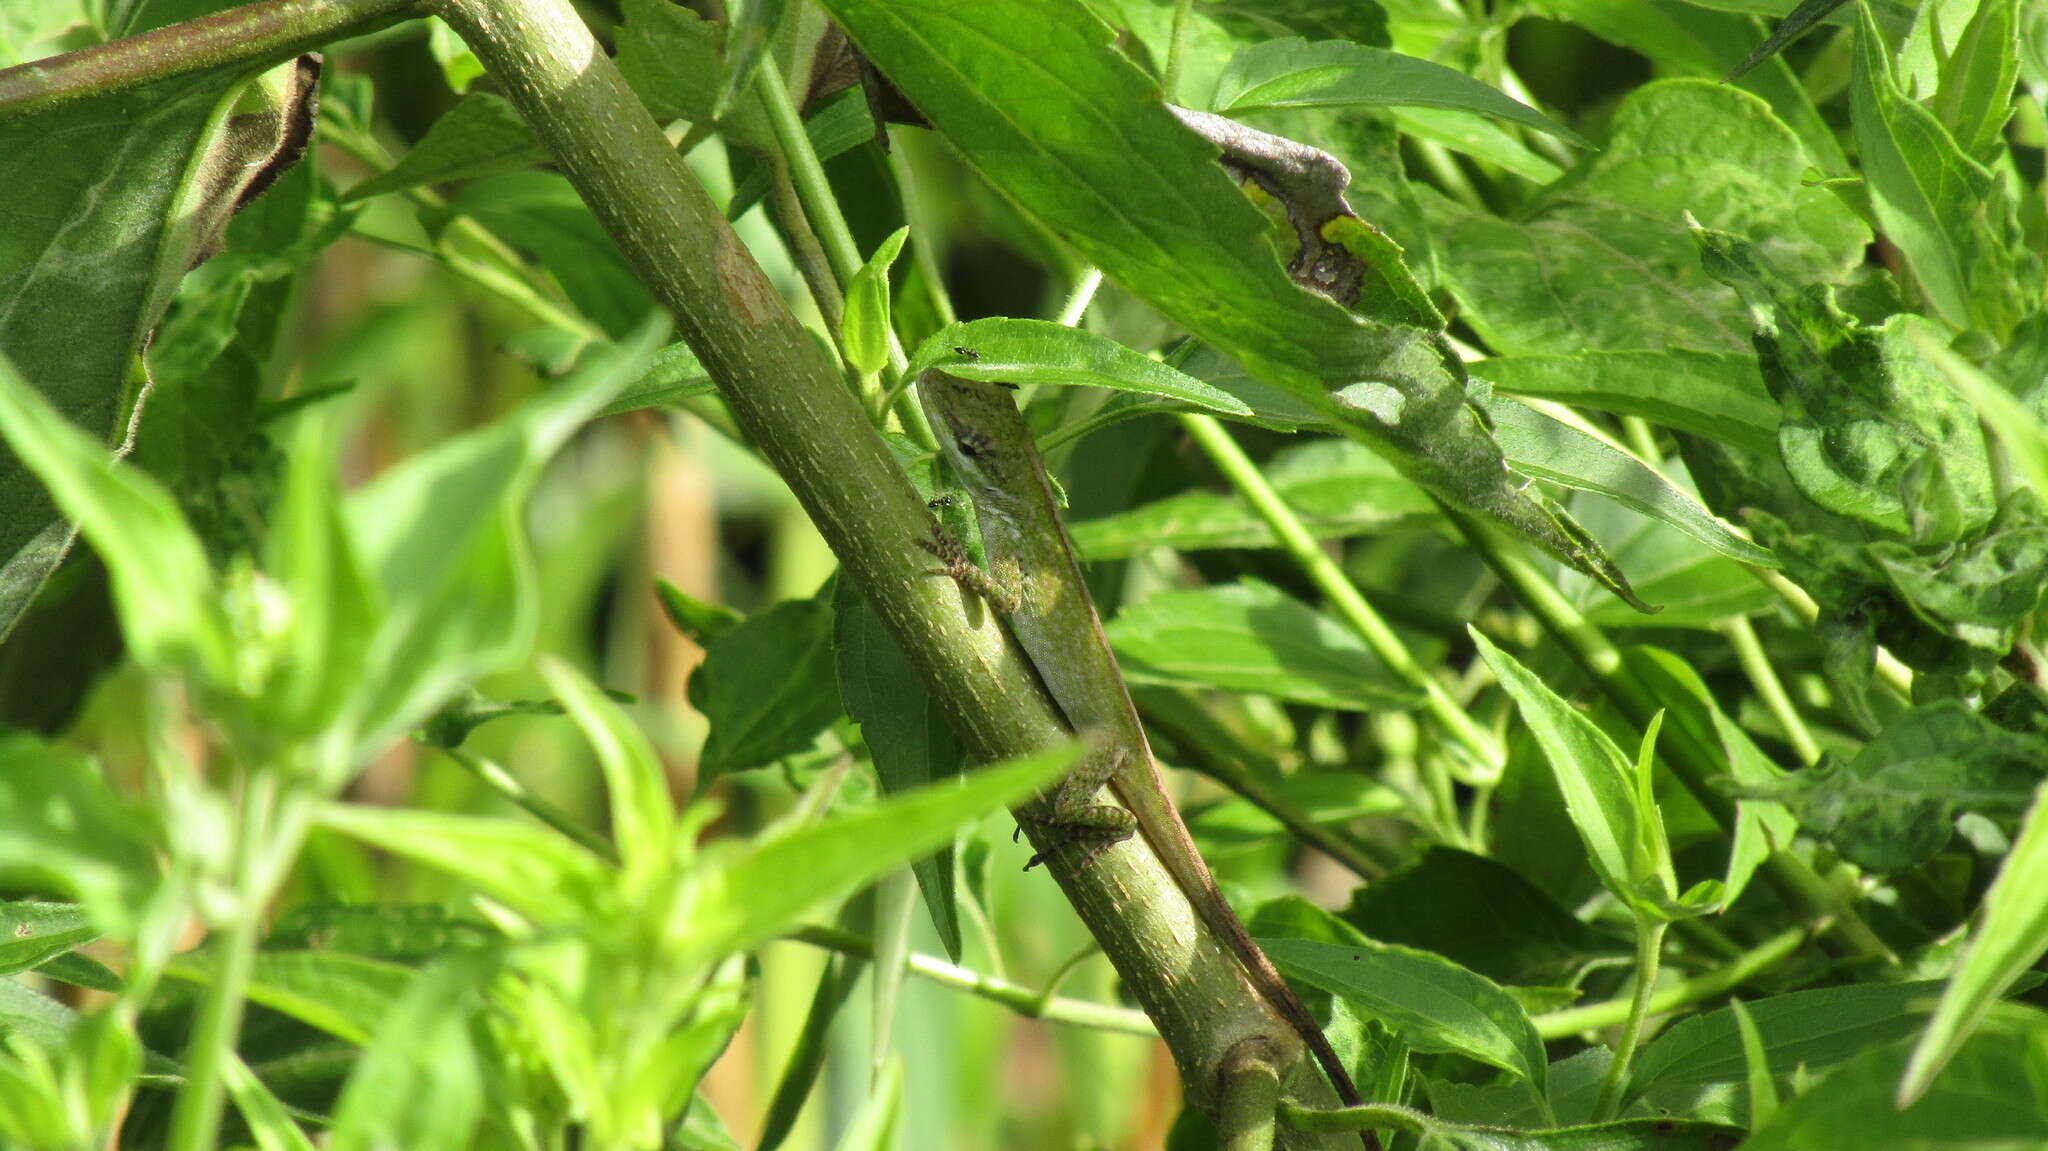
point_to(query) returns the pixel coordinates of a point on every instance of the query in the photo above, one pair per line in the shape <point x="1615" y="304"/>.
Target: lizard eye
<point x="973" y="444"/>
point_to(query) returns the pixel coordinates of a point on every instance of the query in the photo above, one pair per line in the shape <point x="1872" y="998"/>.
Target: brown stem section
<point x="786" y="394"/>
<point x="255" y="34"/>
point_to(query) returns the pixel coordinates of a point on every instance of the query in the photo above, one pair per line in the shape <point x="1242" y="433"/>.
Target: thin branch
<point x="268" y="32"/>
<point x="1022" y="1000"/>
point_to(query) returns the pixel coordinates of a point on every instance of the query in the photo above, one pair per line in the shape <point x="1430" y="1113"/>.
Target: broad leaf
<point x="69" y="831"/>
<point x="1990" y="1096"/>
<point x="1717" y="395"/>
<point x="1601" y="260"/>
<point x="482" y="135"/>
<point x="1251" y="636"/>
<point x="1012" y="351"/>
<point x="766" y="686"/>
<point x="1295" y="73"/>
<point x="1431" y="1003"/>
<point x="1893" y="805"/>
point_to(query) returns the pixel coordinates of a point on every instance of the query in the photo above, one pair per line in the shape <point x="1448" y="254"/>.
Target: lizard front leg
<point x="955" y="563"/>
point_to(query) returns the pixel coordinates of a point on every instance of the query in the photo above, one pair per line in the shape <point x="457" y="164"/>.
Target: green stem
<point x="269" y="32"/>
<point x="1176" y="50"/>
<point x="1248" y="1117"/>
<point x="1649" y="946"/>
<point x="1694" y="764"/>
<point x="1749" y="652"/>
<point x="1698" y="989"/>
<point x="195" y="1121"/>
<point x="923" y="253"/>
<point x="508" y="787"/>
<point x="1083" y="295"/>
<point x="821" y="204"/>
<point x="1368" y="1116"/>
<point x="1344" y="596"/>
<point x="1022" y="1000"/>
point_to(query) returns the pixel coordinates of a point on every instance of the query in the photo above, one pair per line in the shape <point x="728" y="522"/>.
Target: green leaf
<point x="335" y="610"/>
<point x="743" y="899"/>
<point x="864" y="332"/>
<point x="1815" y="1029"/>
<point x="2010" y="937"/>
<point x="766" y="686"/>
<point x="1250" y="636"/>
<point x="1942" y="209"/>
<point x="346" y="996"/>
<point x="1973" y="99"/>
<point x="542" y="214"/>
<point x="533" y="870"/>
<point x="909" y="738"/>
<point x="1434" y="1005"/>
<point x="1295" y="73"/>
<point x="1600" y="261"/>
<point x="32" y="31"/>
<point x="1719" y="396"/>
<point x="696" y="618"/>
<point x="1338" y="488"/>
<point x="748" y="34"/>
<point x="163" y="584"/>
<point x="1793" y="26"/>
<point x="68" y="831"/>
<point x="874" y="1126"/>
<point x="1484" y="915"/>
<point x="270" y="1124"/>
<point x="1552" y="450"/>
<point x="1107" y="167"/>
<point x="674" y="375"/>
<point x="1479" y="138"/>
<point x="1893" y="805"/>
<point x="1597" y="780"/>
<point x="32" y="932"/>
<point x="674" y="60"/>
<point x="482" y="135"/>
<point x="112" y="199"/>
<point x="1990" y="1097"/>
<point x="642" y="812"/>
<point x="444" y="534"/>
<point x="1870" y="427"/>
<point x="1693" y="586"/>
<point x="420" y="1084"/>
<point x="1013" y="351"/>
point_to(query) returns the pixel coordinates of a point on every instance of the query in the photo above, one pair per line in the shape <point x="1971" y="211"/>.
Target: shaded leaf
<point x="907" y="735"/>
<point x="33" y="932"/>
<point x="766" y="686"/>
<point x="2009" y="939"/>
<point x="482" y="135"/>
<point x="1251" y="636"/>
<point x="1719" y="396"/>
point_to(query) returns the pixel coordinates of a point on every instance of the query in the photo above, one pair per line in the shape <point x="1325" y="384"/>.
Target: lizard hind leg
<point x="1074" y="817"/>
<point x="959" y="567"/>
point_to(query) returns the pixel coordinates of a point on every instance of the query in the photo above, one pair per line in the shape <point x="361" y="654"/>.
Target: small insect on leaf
<point x="968" y="353"/>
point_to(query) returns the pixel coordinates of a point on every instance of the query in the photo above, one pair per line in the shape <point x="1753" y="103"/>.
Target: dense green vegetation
<point x="1588" y="568"/>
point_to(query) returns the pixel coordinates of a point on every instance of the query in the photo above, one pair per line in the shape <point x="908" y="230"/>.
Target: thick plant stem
<point x="1649" y="946"/>
<point x="269" y="32"/>
<point x="785" y="392"/>
<point x="195" y="1122"/>
<point x="1350" y="603"/>
<point x="1695" y="764"/>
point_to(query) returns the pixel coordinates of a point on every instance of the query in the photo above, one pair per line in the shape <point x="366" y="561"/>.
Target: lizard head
<point x="983" y="436"/>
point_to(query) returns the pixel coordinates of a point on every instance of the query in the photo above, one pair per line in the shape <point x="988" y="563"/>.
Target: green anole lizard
<point x="1035" y="582"/>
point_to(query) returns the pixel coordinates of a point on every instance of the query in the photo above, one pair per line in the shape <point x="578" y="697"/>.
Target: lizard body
<point x="1034" y="580"/>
